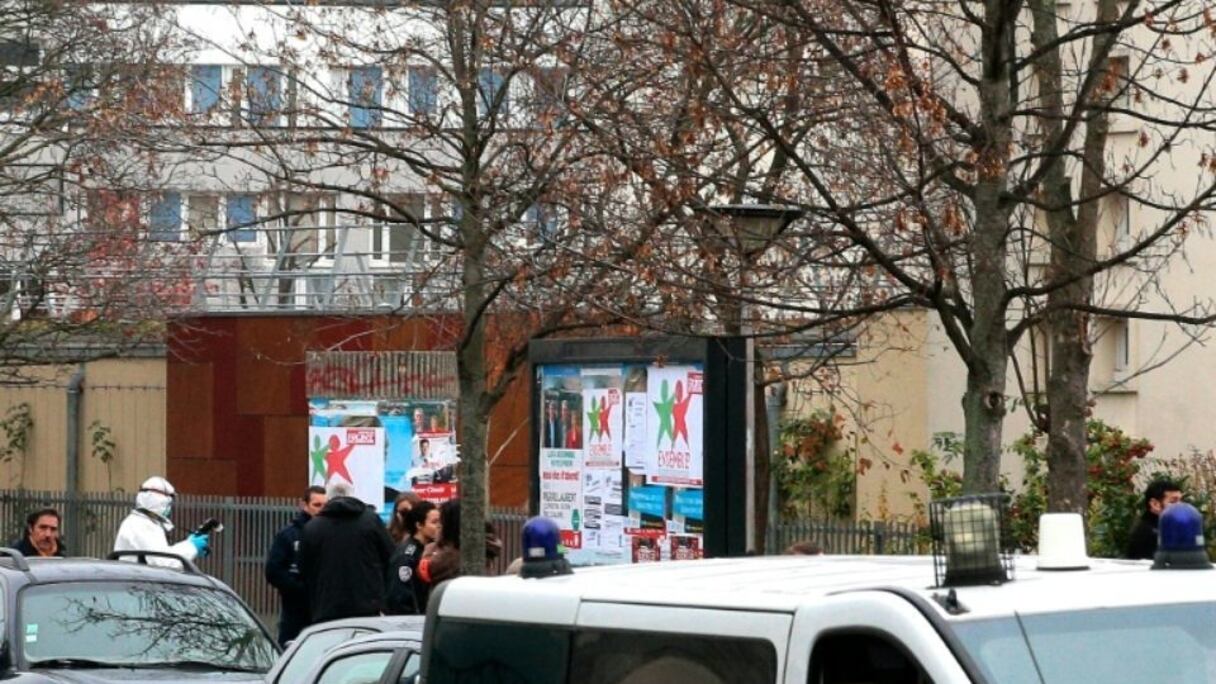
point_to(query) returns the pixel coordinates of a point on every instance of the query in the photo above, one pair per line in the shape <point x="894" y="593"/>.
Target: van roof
<point x="783" y="583"/>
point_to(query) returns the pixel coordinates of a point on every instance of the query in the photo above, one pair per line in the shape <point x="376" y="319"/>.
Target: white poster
<point x="635" y="431"/>
<point x="350" y="454"/>
<point x="603" y="423"/>
<point x="674" y="453"/>
<point x="561" y="490"/>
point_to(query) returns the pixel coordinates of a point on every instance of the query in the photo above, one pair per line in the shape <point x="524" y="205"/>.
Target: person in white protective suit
<point x="147" y="527"/>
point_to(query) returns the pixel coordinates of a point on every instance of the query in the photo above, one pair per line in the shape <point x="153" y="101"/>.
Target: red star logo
<point x="679" y="412"/>
<point x="605" y="411"/>
<point x="335" y="459"/>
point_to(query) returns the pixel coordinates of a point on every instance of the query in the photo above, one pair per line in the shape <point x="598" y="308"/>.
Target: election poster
<point x="620" y="460"/>
<point x="673" y="429"/>
<point x="354" y="455"/>
<point x="418" y="449"/>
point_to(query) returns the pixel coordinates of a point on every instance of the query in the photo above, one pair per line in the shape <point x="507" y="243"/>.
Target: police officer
<point x="407" y="594"/>
<point x="283" y="567"/>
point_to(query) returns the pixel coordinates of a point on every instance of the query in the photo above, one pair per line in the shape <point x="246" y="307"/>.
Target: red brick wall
<point x="237" y="414"/>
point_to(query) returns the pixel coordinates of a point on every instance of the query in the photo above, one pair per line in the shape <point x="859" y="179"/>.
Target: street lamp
<point x="755" y="226"/>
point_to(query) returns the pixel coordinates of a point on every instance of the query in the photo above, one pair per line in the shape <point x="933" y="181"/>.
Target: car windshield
<point x="141" y="625"/>
<point x="1133" y="644"/>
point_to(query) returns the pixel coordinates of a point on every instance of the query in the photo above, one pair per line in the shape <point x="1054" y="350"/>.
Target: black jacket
<point x="344" y="555"/>
<point x="407" y="593"/>
<point x="283" y="573"/>
<point x="1143" y="540"/>
<point x="24" y="546"/>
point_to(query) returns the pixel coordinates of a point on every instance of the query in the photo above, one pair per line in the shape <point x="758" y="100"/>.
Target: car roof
<point x="378" y="623"/>
<point x="394" y="638"/>
<point x="785" y="583"/>
<point x="76" y="569"/>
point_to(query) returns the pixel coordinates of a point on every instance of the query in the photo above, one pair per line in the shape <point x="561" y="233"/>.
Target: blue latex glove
<point x="202" y="544"/>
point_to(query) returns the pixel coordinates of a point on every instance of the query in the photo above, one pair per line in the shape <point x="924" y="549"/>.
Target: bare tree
<point x="83" y="88"/>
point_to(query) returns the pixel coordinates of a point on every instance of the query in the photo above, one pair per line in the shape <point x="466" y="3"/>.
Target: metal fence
<point x="91" y="520"/>
<point x="846" y="537"/>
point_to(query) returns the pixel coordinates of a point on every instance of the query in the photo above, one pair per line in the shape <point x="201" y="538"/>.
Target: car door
<point x="868" y="636"/>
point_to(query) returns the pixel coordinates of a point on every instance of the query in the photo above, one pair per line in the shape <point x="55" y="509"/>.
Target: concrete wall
<point x="125" y="395"/>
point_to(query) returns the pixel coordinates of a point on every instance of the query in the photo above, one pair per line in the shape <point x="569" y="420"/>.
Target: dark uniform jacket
<point x="344" y="554"/>
<point x="406" y="592"/>
<point x="27" y="548"/>
<point x="283" y="573"/>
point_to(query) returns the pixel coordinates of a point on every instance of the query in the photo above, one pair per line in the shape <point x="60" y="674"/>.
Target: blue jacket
<point x="283" y="573"/>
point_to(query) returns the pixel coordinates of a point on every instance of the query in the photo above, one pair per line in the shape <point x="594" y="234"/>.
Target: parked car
<point x="385" y="658"/>
<point x="315" y="641"/>
<point x="90" y="620"/>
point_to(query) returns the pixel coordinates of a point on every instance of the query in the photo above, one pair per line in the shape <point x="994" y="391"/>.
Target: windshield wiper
<point x="200" y="665"/>
<point x="83" y="663"/>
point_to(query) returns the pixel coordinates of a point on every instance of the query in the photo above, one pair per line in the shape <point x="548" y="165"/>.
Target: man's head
<point x="1161" y="494"/>
<point x="313" y="500"/>
<point x="42" y="528"/>
<point x="337" y="488"/>
<point x="424" y="447"/>
<point x="419" y="420"/>
<point x="565" y="411"/>
<point x="551" y="409"/>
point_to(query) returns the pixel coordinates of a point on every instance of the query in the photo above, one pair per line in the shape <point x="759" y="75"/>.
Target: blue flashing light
<point x="543" y="552"/>
<point x="1180" y="541"/>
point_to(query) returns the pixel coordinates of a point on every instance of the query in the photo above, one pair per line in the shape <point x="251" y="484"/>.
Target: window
<point x="361" y="668"/>
<point x="16" y="60"/>
<point x="241" y="217"/>
<point x="206" y="83"/>
<point x="548" y="93"/>
<point x="112" y="210"/>
<point x="503" y="652"/>
<point x="493" y="96"/>
<point x="850" y="658"/>
<point x="78" y="86"/>
<point x="264" y="90"/>
<point x="308" y="223"/>
<point x="165" y="217"/>
<point x="1122" y="330"/>
<point x="611" y="657"/>
<point x="1123" y="221"/>
<point x="366" y="90"/>
<point x="543" y="218"/>
<point x="399" y="240"/>
<point x="202" y="215"/>
<point x="423" y="91"/>
<point x="413" y="665"/>
<point x="19" y="53"/>
<point x="308" y="652"/>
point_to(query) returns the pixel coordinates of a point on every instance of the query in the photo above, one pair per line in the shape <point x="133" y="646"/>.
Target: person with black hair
<point x="1159" y="495"/>
<point x="441" y="560"/>
<point x="406" y="593"/>
<point x="41" y="536"/>
<point x="283" y="566"/>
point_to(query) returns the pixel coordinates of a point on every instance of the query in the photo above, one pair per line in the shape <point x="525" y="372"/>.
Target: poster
<point x="673" y="427"/>
<point x="620" y="460"/>
<point x="418" y="450"/>
<point x="561" y="493"/>
<point x="351" y="454"/>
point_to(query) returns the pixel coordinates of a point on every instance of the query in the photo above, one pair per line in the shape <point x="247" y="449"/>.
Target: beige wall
<point x="125" y="395"/>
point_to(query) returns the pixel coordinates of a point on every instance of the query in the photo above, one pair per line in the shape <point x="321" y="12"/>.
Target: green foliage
<point x="17" y="425"/>
<point x="1114" y="484"/>
<point x="104" y="448"/>
<point x="941" y="482"/>
<point x="815" y="475"/>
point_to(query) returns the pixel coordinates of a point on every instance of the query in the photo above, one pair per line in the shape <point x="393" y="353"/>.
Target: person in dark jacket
<point x="283" y="567"/>
<point x="441" y="559"/>
<point x="406" y="592"/>
<point x="344" y="554"/>
<point x="41" y="536"/>
<point x="1158" y="496"/>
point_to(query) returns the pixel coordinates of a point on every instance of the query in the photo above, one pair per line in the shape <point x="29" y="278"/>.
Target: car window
<point x="863" y="658"/>
<point x="310" y="650"/>
<point x="497" y="653"/>
<point x="637" y="657"/>
<point x="140" y="624"/>
<point x="361" y="668"/>
<point x="413" y="665"/>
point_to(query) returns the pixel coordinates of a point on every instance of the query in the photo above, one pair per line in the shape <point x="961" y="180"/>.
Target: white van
<point x="825" y="620"/>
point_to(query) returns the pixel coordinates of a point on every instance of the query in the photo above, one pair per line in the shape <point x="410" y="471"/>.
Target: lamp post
<point x="754" y="226"/>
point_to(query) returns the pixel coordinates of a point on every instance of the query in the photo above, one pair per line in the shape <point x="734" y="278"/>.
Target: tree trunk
<point x="1072" y="230"/>
<point x="473" y="416"/>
